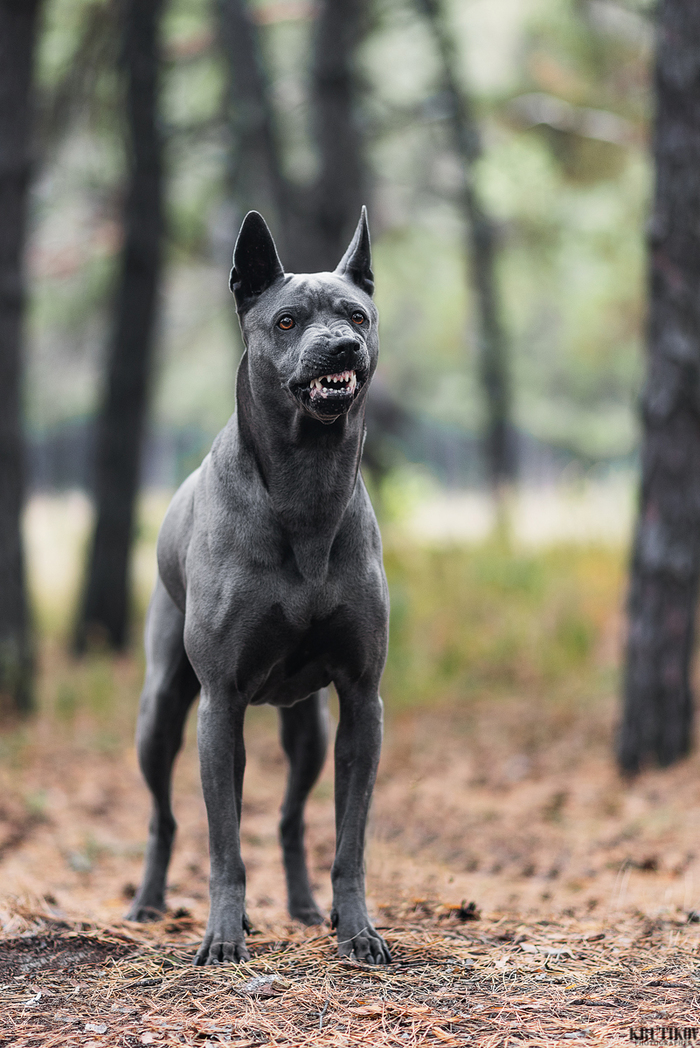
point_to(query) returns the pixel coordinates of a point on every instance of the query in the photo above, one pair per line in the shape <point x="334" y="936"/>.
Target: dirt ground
<point x="585" y="890"/>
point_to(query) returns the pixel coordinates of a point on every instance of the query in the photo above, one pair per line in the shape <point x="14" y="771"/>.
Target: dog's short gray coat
<point x="271" y="587"/>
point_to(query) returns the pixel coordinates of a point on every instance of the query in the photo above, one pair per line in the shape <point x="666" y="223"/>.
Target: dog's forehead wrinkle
<point x="307" y="295"/>
<point x="318" y="291"/>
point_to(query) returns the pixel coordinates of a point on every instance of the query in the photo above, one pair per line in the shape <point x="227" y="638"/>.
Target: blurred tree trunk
<point x="663" y="593"/>
<point x="75" y="92"/>
<point x="255" y="175"/>
<point x="316" y="222"/>
<point x="104" y="613"/>
<point x="481" y="252"/>
<point x="343" y="184"/>
<point x="18" y="32"/>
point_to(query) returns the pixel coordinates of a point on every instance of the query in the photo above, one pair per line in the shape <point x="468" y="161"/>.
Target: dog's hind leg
<point x="169" y="689"/>
<point x="304" y="733"/>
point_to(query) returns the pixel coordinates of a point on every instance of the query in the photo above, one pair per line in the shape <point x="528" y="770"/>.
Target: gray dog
<point x="271" y="586"/>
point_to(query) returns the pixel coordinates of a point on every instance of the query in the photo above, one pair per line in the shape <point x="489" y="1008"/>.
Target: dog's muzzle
<point x="328" y="396"/>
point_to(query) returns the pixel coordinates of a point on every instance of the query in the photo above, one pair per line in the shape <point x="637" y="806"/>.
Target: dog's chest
<point x="277" y="642"/>
<point x="280" y="658"/>
<point x="283" y="663"/>
<point x="259" y="624"/>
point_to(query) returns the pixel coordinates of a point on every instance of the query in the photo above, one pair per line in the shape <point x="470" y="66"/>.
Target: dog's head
<point x="311" y="339"/>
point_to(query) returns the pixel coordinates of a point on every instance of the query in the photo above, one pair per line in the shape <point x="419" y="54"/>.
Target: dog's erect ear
<point x="356" y="263"/>
<point x="256" y="264"/>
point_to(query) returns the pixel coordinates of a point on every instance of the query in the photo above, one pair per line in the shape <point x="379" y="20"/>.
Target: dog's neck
<point x="309" y="470"/>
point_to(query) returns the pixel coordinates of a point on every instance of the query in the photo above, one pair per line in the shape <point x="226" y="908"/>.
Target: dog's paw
<point x="365" y="945"/>
<point x="214" y="952"/>
<point x="308" y="915"/>
<point x="144" y="914"/>
<point x="223" y="943"/>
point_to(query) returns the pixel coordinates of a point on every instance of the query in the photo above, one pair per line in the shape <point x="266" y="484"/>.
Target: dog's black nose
<point x="343" y="345"/>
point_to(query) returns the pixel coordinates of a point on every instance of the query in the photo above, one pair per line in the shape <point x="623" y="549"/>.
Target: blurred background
<point x="502" y="148"/>
<point x="558" y="95"/>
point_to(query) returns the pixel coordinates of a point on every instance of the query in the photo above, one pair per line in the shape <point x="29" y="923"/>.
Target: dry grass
<point x="585" y="884"/>
<point x="494" y="981"/>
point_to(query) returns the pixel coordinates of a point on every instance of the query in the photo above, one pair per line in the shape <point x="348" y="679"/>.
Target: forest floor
<point x="584" y="887"/>
<point x="497" y="788"/>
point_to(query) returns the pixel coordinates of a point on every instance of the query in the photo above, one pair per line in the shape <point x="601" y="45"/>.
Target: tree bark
<point x="104" y="616"/>
<point x="18" y="31"/>
<point x="342" y="185"/>
<point x="658" y="706"/>
<point x="255" y="175"/>
<point x="316" y="222"/>
<point x="481" y="253"/>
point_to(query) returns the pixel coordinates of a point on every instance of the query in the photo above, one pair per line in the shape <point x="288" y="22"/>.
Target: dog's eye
<point x="358" y="318"/>
<point x="286" y="322"/>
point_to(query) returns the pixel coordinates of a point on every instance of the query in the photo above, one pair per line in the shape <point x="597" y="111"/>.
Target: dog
<point x="270" y="587"/>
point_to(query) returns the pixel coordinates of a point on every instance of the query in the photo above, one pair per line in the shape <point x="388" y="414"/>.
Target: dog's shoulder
<point x="174" y="538"/>
<point x="359" y="535"/>
<point x="219" y="515"/>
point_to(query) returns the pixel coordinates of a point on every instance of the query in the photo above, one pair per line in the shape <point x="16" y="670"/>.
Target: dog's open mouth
<point x="326" y="397"/>
<point x="328" y="386"/>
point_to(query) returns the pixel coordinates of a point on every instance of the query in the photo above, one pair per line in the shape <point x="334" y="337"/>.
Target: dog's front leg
<point x="357" y="745"/>
<point x="222" y="763"/>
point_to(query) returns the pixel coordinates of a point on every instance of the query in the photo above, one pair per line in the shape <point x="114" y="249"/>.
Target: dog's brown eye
<point x="358" y="318"/>
<point x="286" y="322"/>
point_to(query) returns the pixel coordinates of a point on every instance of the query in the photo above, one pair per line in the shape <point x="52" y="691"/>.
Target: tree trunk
<point x="342" y="185"/>
<point x="105" y="609"/>
<point x="255" y="176"/>
<point x="18" y="30"/>
<point x="657" y="716"/>
<point x="75" y="93"/>
<point x="481" y="252"/>
<point x="315" y="223"/>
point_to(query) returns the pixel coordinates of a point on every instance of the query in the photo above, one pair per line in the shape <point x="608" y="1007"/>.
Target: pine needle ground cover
<point x="503" y="981"/>
<point x="529" y="895"/>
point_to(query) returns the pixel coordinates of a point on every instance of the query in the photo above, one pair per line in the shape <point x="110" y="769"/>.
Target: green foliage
<point x="66" y="702"/>
<point x="570" y="201"/>
<point x="488" y="619"/>
<point x="572" y="279"/>
<point x="94" y="699"/>
<point x="569" y="198"/>
<point x="63" y="21"/>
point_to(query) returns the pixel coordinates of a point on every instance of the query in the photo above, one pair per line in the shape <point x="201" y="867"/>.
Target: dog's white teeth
<point x="322" y="385"/>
